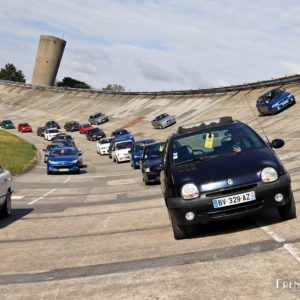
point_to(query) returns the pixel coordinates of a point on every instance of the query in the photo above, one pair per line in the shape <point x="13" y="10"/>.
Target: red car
<point x="83" y="128"/>
<point x="24" y="127"/>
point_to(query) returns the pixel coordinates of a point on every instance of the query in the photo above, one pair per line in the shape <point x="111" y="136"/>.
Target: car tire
<point x="49" y="172"/>
<point x="288" y="211"/>
<point x="179" y="231"/>
<point x="6" y="209"/>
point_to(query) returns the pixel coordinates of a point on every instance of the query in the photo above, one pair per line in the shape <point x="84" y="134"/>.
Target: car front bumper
<point x="205" y="212"/>
<point x="60" y="168"/>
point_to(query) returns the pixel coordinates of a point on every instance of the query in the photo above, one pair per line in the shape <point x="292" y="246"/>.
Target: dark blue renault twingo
<point x="274" y="101"/>
<point x="222" y="169"/>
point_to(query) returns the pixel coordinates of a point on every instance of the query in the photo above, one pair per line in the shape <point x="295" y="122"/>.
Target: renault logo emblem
<point x="230" y="181"/>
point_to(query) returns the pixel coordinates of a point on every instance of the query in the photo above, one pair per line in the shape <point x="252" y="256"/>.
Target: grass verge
<point x="16" y="155"/>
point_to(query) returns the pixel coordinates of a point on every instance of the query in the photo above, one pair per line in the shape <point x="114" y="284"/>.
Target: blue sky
<point x="157" y="45"/>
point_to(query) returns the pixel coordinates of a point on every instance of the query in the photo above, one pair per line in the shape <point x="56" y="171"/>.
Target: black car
<point x="66" y="143"/>
<point x="95" y="134"/>
<point x="40" y="131"/>
<point x="52" y="124"/>
<point x="71" y="126"/>
<point x="152" y="156"/>
<point x="222" y="169"/>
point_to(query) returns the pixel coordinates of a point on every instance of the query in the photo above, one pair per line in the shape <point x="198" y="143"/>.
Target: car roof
<point x="141" y="141"/>
<point x="155" y="143"/>
<point x="123" y="141"/>
<point x="205" y="125"/>
<point x="266" y="93"/>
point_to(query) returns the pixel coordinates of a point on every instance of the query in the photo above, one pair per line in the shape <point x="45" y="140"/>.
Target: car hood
<point x="63" y="158"/>
<point x="166" y="119"/>
<point x="213" y="174"/>
<point x="121" y="137"/>
<point x="281" y="97"/>
<point x="151" y="162"/>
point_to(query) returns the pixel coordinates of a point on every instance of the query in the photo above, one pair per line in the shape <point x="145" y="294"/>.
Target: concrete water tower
<point x="47" y="60"/>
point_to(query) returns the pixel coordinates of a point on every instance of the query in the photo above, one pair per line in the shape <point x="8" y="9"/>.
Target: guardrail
<point x="233" y="88"/>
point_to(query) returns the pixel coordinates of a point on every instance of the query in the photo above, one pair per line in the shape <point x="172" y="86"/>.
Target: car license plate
<point x="64" y="170"/>
<point x="284" y="102"/>
<point x="233" y="200"/>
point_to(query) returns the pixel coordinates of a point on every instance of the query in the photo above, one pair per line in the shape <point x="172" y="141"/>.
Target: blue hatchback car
<point x="63" y="159"/>
<point x="121" y="134"/>
<point x="274" y="101"/>
<point x="222" y="169"/>
<point x="136" y="152"/>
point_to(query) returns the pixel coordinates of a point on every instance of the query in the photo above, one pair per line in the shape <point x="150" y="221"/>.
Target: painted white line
<point x="67" y="180"/>
<point x="55" y="99"/>
<point x="292" y="251"/>
<point x="272" y="234"/>
<point x="288" y="247"/>
<point x="17" y="197"/>
<point x="24" y="272"/>
<point x="40" y="198"/>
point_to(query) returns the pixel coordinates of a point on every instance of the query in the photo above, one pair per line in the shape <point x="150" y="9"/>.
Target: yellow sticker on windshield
<point x="161" y="148"/>
<point x="62" y="151"/>
<point x="209" y="140"/>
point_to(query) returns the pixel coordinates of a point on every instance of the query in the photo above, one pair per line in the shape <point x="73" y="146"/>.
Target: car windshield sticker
<point x="62" y="151"/>
<point x="175" y="155"/>
<point x="161" y="148"/>
<point x="237" y="149"/>
<point x="209" y="140"/>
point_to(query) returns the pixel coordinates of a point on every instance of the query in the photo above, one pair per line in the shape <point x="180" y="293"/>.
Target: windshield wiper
<point x="203" y="158"/>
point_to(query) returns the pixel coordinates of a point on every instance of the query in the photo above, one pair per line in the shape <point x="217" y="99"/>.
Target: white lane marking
<point x="55" y="99"/>
<point x="67" y="180"/>
<point x="272" y="234"/>
<point x="17" y="197"/>
<point x="292" y="251"/>
<point x="23" y="272"/>
<point x="124" y="181"/>
<point x="288" y="247"/>
<point x="40" y="198"/>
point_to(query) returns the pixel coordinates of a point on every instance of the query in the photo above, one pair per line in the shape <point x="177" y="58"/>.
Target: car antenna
<point x="257" y="119"/>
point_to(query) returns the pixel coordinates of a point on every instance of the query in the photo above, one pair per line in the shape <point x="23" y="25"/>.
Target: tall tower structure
<point x="47" y="60"/>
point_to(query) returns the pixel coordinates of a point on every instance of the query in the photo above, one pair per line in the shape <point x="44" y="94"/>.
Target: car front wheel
<point x="179" y="231"/>
<point x="288" y="211"/>
<point x="6" y="209"/>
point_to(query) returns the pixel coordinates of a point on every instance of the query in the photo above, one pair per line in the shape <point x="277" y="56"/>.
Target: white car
<point x="103" y="145"/>
<point x="50" y="133"/>
<point x="120" y="151"/>
<point x="5" y="192"/>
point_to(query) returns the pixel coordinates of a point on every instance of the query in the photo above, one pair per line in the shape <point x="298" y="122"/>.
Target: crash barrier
<point x="233" y="88"/>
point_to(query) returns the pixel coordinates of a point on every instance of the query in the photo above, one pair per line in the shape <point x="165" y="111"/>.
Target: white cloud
<point x="155" y="45"/>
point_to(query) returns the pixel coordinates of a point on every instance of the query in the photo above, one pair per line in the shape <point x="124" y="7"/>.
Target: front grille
<point x="232" y="190"/>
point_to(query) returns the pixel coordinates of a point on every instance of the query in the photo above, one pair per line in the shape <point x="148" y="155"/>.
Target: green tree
<point x="9" y="72"/>
<point x="114" y="88"/>
<point x="72" y="83"/>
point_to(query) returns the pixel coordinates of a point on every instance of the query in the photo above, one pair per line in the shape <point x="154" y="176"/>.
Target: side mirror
<point x="129" y="151"/>
<point x="156" y="168"/>
<point x="44" y="149"/>
<point x="284" y="89"/>
<point x="277" y="143"/>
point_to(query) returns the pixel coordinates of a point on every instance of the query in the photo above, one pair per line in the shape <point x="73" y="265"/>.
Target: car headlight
<point x="269" y="175"/>
<point x="52" y="161"/>
<point x="147" y="170"/>
<point x="275" y="105"/>
<point x="189" y="191"/>
<point x="74" y="161"/>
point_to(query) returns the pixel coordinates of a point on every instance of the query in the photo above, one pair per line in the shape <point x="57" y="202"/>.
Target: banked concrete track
<point x="104" y="235"/>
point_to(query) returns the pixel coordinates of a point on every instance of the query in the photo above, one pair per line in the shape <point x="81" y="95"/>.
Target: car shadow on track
<point x="256" y="220"/>
<point x="16" y="214"/>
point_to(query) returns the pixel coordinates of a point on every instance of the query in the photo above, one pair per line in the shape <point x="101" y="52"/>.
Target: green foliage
<point x="15" y="154"/>
<point x="114" y="88"/>
<point x="72" y="83"/>
<point x="9" y="72"/>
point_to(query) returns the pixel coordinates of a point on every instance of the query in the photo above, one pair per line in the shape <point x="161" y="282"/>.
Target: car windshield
<point x="154" y="151"/>
<point x="120" y="132"/>
<point x="85" y="125"/>
<point x="139" y="146"/>
<point x="162" y="116"/>
<point x="7" y="122"/>
<point x="98" y="115"/>
<point x="95" y="130"/>
<point x="53" y="131"/>
<point x="123" y="145"/>
<point x="215" y="142"/>
<point x="270" y="96"/>
<point x="52" y="146"/>
<point x="25" y="124"/>
<point x="59" y="151"/>
<point x="105" y="141"/>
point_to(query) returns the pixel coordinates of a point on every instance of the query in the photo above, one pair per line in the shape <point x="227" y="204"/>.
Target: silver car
<point x="98" y="118"/>
<point x="5" y="192"/>
<point x="163" y="121"/>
